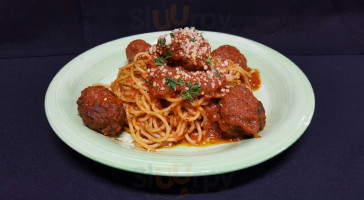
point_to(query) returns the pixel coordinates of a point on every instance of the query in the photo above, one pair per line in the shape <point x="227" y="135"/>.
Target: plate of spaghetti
<point x="180" y="103"/>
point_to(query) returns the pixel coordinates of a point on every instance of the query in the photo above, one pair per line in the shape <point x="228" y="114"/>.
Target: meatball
<point x="241" y="113"/>
<point x="101" y="110"/>
<point x="227" y="52"/>
<point x="187" y="48"/>
<point x="136" y="47"/>
<point x="211" y="124"/>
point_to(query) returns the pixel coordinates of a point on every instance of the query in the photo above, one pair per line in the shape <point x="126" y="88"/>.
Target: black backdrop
<point x="324" y="38"/>
<point x="38" y="28"/>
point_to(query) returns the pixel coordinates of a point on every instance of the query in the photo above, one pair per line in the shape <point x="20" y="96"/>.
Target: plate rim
<point x="232" y="167"/>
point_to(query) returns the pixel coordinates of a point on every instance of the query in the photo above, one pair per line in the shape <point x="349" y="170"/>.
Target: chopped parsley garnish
<point x="149" y="82"/>
<point x="217" y="72"/>
<point x="180" y="81"/>
<point x="191" y="92"/>
<point x="159" y="61"/>
<point x="163" y="42"/>
<point x="208" y="61"/>
<point x="188" y="84"/>
<point x="122" y="73"/>
<point x="173" y="83"/>
<point x="192" y="39"/>
<point x="172" y="34"/>
<point x="201" y="36"/>
<point x="193" y="28"/>
<point x="167" y="55"/>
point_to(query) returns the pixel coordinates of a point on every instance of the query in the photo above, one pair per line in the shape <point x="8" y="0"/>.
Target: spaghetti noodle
<point x="152" y="126"/>
<point x="177" y="91"/>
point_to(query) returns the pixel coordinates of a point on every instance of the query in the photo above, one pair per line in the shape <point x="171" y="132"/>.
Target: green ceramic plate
<point x="286" y="94"/>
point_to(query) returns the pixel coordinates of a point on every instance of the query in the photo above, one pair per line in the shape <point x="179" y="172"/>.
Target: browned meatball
<point x="211" y="124"/>
<point x="187" y="47"/>
<point x="101" y="110"/>
<point x="227" y="52"/>
<point x="241" y="113"/>
<point x="136" y="47"/>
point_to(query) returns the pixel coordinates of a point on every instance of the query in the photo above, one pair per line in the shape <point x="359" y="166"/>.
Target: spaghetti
<point x="153" y="126"/>
<point x="177" y="91"/>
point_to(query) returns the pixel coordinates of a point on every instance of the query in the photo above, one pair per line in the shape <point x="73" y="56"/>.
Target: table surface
<point x="326" y="162"/>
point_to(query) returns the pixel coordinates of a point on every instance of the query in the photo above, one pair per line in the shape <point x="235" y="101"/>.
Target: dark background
<point x="324" y="38"/>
